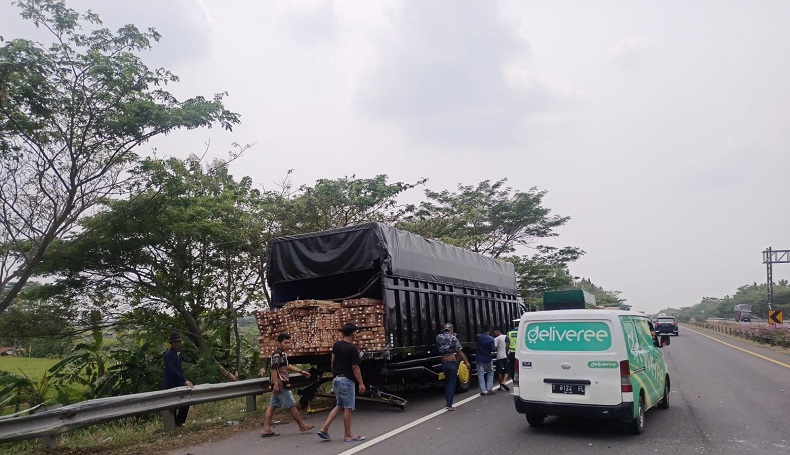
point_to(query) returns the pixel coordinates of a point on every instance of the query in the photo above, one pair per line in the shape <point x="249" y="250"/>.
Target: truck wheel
<point x="664" y="402"/>
<point x="637" y="426"/>
<point x="535" y="420"/>
<point x="464" y="381"/>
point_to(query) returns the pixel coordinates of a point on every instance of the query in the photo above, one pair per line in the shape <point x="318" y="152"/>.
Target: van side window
<point x="632" y="340"/>
<point x="643" y="331"/>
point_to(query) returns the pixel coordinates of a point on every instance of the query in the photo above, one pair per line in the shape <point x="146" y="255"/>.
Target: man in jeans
<point x="484" y="360"/>
<point x="449" y="347"/>
<point x="345" y="369"/>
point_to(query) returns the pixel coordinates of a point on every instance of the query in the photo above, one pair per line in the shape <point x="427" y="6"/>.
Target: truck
<point x="570" y="299"/>
<point x="743" y="312"/>
<point x="398" y="287"/>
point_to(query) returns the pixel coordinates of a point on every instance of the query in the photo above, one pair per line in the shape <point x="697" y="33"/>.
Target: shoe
<point x="482" y="394"/>
<point x="450" y="408"/>
<point x="504" y="386"/>
<point x="491" y="392"/>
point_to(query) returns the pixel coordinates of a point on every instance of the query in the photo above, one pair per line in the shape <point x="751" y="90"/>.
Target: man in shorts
<point x="281" y="395"/>
<point x="345" y="369"/>
<point x="501" y="368"/>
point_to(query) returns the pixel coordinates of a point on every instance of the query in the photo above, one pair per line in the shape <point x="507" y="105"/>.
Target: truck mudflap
<point x="623" y="412"/>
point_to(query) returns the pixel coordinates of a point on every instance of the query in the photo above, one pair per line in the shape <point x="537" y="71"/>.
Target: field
<point x="33" y="368"/>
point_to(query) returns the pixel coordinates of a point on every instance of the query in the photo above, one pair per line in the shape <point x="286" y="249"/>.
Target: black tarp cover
<point x="396" y="252"/>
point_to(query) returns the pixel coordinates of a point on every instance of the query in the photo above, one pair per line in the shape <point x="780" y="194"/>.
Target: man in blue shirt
<point x="174" y="374"/>
<point x="484" y="360"/>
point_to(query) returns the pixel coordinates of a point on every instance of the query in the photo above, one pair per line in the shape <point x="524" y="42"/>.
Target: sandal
<point x="269" y="435"/>
<point x="308" y="428"/>
<point x="323" y="436"/>
<point x="355" y="439"/>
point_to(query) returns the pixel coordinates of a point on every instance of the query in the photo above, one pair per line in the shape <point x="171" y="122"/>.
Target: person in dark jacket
<point x="174" y="374"/>
<point x="484" y="360"/>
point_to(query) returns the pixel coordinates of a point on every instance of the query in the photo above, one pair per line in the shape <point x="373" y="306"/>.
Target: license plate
<point x="568" y="389"/>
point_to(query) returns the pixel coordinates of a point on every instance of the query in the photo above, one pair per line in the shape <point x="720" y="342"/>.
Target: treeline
<point x="753" y="294"/>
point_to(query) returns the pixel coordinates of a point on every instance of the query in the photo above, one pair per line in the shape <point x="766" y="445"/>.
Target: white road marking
<point x="392" y="433"/>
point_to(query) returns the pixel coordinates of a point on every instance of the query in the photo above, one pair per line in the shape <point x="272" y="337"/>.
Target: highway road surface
<point x="728" y="397"/>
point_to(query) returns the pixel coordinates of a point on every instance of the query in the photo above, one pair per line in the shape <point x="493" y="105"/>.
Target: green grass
<point x="33" y="367"/>
<point x="205" y="422"/>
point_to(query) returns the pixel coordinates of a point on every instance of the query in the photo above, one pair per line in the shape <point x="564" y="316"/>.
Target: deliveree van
<point x="589" y="363"/>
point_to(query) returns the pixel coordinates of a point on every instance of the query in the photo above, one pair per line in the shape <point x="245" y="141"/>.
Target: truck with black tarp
<point x="398" y="287"/>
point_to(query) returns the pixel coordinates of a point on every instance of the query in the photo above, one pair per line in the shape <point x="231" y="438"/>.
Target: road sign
<point x="774" y="316"/>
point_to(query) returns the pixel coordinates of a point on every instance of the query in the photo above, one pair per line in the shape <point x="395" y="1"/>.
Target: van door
<point x="647" y="370"/>
<point x="655" y="367"/>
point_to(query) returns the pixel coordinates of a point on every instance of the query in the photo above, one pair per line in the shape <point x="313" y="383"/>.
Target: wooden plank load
<point x="315" y="325"/>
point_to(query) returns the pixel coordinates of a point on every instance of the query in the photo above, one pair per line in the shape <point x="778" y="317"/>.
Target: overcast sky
<point x="661" y="128"/>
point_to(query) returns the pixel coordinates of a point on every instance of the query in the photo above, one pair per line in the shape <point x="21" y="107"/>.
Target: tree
<point x="71" y="115"/>
<point x="334" y="203"/>
<point x="489" y="219"/>
<point x="185" y="252"/>
<point x="495" y="220"/>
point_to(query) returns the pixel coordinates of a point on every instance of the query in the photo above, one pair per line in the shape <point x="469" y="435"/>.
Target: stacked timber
<point x="315" y="325"/>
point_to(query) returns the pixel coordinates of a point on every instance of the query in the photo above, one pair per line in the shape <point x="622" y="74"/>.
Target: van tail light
<point x="625" y="377"/>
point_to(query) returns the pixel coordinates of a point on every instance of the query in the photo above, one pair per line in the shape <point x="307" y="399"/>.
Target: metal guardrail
<point x="47" y="425"/>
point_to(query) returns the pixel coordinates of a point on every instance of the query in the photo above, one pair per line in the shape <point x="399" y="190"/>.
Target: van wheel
<point x="637" y="426"/>
<point x="664" y="402"/>
<point x="535" y="420"/>
<point x="464" y="381"/>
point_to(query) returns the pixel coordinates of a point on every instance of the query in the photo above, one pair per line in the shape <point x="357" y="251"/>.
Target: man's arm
<point x="296" y="369"/>
<point x="358" y="376"/>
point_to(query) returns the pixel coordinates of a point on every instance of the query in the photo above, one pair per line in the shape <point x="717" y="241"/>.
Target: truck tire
<point x="464" y="380"/>
<point x="637" y="426"/>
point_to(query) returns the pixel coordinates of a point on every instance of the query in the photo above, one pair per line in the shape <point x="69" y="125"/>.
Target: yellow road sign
<point x="774" y="316"/>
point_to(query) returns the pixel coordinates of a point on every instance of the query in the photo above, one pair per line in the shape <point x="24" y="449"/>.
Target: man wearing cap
<point x="345" y="369"/>
<point x="174" y="374"/>
<point x="450" y="349"/>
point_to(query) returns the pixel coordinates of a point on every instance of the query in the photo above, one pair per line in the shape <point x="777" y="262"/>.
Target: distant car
<point x="667" y="324"/>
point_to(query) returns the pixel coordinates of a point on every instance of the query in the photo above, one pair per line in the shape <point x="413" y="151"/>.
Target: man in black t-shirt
<point x="345" y="369"/>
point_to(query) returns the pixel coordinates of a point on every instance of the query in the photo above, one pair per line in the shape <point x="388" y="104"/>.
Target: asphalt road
<point x="731" y="398"/>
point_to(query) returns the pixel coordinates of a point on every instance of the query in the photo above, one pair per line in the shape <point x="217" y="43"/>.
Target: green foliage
<point x="71" y="115"/>
<point x="495" y="220"/>
<point x="334" y="203"/>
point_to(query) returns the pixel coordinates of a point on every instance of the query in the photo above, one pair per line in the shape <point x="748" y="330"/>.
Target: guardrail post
<point x="250" y="403"/>
<point x="50" y="441"/>
<point x="169" y="417"/>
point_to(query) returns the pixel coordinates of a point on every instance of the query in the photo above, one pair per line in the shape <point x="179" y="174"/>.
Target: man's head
<point x="485" y="328"/>
<point x="349" y="329"/>
<point x="448" y="327"/>
<point x="285" y="341"/>
<point x="175" y="340"/>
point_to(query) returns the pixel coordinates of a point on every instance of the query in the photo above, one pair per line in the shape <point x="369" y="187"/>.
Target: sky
<point x="662" y="129"/>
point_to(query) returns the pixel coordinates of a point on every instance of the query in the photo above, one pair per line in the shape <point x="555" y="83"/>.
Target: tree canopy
<point x="71" y="115"/>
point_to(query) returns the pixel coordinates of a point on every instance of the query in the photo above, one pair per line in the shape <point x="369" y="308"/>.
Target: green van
<point x="589" y="363"/>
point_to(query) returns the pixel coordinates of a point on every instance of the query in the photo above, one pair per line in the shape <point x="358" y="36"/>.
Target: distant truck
<point x="397" y="287"/>
<point x="571" y="299"/>
<point x="743" y="312"/>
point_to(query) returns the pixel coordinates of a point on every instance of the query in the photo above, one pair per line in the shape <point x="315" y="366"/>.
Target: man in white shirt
<point x="500" y="365"/>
